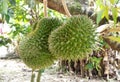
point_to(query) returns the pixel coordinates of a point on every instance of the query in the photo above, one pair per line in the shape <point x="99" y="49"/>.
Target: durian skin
<point x="33" y="49"/>
<point x="74" y="40"/>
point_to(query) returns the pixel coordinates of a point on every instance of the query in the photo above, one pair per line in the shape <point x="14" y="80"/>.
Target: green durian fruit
<point x="74" y="39"/>
<point x="33" y="49"/>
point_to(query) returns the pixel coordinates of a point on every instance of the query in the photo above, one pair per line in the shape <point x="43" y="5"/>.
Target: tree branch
<point x="76" y="7"/>
<point x="55" y="5"/>
<point x="66" y="8"/>
<point x="73" y="6"/>
<point x="45" y="8"/>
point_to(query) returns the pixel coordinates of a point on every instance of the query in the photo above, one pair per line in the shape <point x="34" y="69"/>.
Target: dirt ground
<point x="14" y="70"/>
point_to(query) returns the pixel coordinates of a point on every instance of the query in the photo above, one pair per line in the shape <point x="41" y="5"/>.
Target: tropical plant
<point x="105" y="7"/>
<point x="22" y="14"/>
<point x="94" y="62"/>
<point x="4" y="41"/>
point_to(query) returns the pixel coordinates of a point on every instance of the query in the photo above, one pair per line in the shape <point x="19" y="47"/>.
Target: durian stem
<point x="32" y="76"/>
<point x="39" y="76"/>
<point x="66" y="8"/>
<point x="45" y="8"/>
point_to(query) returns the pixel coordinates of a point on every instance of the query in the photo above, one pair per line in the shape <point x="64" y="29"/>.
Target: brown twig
<point x="45" y="8"/>
<point x="66" y="8"/>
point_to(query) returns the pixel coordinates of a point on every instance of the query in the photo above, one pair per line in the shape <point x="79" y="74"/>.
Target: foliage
<point x="18" y="30"/>
<point x="94" y="63"/>
<point x="4" y="41"/>
<point x="22" y="14"/>
<point x="23" y="10"/>
<point x="33" y="49"/>
<point x="105" y="7"/>
<point x="117" y="39"/>
<point x="3" y="7"/>
<point x="74" y="39"/>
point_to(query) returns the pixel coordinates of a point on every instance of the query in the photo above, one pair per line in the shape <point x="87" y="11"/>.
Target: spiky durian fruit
<point x="73" y="40"/>
<point x="33" y="49"/>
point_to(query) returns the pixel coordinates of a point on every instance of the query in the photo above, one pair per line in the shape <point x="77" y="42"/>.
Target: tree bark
<point x="77" y="7"/>
<point x="74" y="6"/>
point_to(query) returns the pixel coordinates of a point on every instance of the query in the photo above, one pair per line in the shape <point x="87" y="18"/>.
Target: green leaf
<point x="115" y="14"/>
<point x="7" y="18"/>
<point x="12" y="2"/>
<point x="117" y="39"/>
<point x="31" y="3"/>
<point x="4" y="6"/>
<point x="10" y="12"/>
<point x="112" y="1"/>
<point x="89" y="66"/>
<point x="99" y="3"/>
<point x="116" y="1"/>
<point x="106" y="13"/>
<point x="4" y="41"/>
<point x="99" y="16"/>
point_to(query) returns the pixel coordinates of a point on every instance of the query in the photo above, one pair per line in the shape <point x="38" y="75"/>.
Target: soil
<point x="14" y="70"/>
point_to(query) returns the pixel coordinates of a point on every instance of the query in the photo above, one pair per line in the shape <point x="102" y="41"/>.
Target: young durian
<point x="33" y="49"/>
<point x="73" y="40"/>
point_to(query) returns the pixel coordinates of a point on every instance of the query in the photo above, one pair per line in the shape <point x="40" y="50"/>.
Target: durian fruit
<point x="33" y="49"/>
<point x="74" y="39"/>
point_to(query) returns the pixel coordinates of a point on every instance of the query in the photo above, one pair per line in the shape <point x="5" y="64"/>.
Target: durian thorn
<point x="66" y="8"/>
<point x="45" y="8"/>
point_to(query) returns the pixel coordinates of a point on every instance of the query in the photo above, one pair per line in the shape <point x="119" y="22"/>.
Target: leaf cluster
<point x="94" y="62"/>
<point x="105" y="7"/>
<point x="4" y="41"/>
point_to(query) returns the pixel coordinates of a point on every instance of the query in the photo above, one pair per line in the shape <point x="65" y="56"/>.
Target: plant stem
<point x="45" y="8"/>
<point x="66" y="8"/>
<point x="32" y="76"/>
<point x="39" y="76"/>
